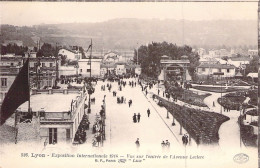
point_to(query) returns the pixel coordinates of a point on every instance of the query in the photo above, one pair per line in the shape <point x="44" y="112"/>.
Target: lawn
<point x="218" y="89"/>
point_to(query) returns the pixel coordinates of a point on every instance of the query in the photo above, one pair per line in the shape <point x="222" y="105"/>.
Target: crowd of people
<point x="81" y="135"/>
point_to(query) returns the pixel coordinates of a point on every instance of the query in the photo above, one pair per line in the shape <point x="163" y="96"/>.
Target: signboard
<point x="218" y="73"/>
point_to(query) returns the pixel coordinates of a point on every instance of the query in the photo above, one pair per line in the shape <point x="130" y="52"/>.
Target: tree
<point x="13" y="48"/>
<point x="47" y="50"/>
<point x="150" y="55"/>
<point x="253" y="66"/>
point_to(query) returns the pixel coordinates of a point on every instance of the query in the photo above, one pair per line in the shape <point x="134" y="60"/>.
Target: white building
<point x="107" y="69"/>
<point x="205" y="70"/>
<point x="67" y="71"/>
<point x="252" y="52"/>
<point x="239" y="61"/>
<point x="112" y="57"/>
<point x="120" y="69"/>
<point x="85" y="69"/>
<point x="70" y="54"/>
<point x="57" y="123"/>
<point x="32" y="54"/>
<point x="201" y="51"/>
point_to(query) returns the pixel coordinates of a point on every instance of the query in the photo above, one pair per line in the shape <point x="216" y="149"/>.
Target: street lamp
<point x="173" y="123"/>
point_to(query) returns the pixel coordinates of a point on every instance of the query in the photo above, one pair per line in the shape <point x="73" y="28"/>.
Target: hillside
<point x="125" y="33"/>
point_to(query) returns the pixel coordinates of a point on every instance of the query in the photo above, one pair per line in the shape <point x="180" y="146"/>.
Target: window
<point x="88" y="70"/>
<point x="35" y="65"/>
<point x="227" y="70"/>
<point x="43" y="64"/>
<point x="3" y="82"/>
<point x="12" y="64"/>
<point x="53" y="135"/>
<point x="68" y="134"/>
<point x="203" y="69"/>
<point x="219" y="70"/>
<point x="88" y="63"/>
<point x="51" y="64"/>
<point x="80" y="70"/>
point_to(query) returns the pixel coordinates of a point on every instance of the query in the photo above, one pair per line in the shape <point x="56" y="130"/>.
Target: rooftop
<point x="240" y="59"/>
<point x="253" y="75"/>
<point x="175" y="61"/>
<point x="57" y="102"/>
<point x="222" y="66"/>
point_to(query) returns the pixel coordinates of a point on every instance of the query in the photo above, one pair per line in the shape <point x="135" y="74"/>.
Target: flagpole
<point x="29" y="102"/>
<point x="15" y="126"/>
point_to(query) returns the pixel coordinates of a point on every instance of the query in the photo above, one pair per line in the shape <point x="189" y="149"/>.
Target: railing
<point x="55" y="116"/>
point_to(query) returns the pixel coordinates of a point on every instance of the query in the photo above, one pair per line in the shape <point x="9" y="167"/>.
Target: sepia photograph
<point x="129" y="84"/>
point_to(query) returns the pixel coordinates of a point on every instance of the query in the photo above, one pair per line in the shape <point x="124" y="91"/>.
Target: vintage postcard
<point x="129" y="84"/>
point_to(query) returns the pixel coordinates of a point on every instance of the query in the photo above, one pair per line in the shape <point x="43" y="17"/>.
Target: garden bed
<point x="247" y="134"/>
<point x="202" y="126"/>
<point x="234" y="100"/>
<point x="186" y="96"/>
<point x="252" y="112"/>
<point x="194" y="99"/>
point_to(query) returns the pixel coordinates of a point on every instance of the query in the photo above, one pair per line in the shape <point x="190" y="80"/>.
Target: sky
<point x="33" y="13"/>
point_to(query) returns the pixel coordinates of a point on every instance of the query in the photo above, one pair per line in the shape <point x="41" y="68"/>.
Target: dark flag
<point x="16" y="95"/>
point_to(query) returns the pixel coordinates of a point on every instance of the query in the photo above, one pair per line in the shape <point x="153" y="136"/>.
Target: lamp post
<point x="104" y="117"/>
<point x="173" y="123"/>
<point x="181" y="127"/>
<point x="90" y="85"/>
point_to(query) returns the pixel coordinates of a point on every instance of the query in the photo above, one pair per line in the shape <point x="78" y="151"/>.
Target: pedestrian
<point x="138" y="117"/>
<point x="186" y="139"/>
<point x="163" y="144"/>
<point x="167" y="144"/>
<point x="148" y="112"/>
<point x="134" y="118"/>
<point x="137" y="143"/>
<point x="183" y="139"/>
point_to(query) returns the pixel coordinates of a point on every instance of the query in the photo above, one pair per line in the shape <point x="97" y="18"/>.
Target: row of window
<point x="219" y="70"/>
<point x="43" y="64"/>
<point x="88" y="70"/>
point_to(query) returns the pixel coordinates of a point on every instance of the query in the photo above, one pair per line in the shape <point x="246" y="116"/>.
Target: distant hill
<point x="125" y="33"/>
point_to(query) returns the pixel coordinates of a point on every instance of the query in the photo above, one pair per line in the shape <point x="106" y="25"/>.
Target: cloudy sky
<point x="32" y="13"/>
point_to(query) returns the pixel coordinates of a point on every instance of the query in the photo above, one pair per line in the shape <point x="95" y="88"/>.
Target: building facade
<point x="7" y="77"/>
<point x="57" y="124"/>
<point x="206" y="70"/>
<point x="70" y="54"/>
<point x="85" y="67"/>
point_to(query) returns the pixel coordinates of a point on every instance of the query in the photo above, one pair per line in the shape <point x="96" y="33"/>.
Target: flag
<point x="16" y="95"/>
